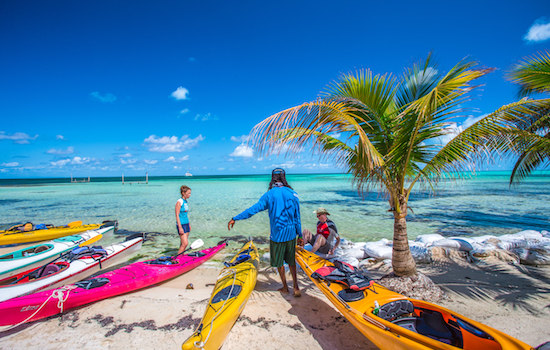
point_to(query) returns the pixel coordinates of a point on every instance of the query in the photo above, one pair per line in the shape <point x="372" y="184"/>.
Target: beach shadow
<point x="329" y="328"/>
<point x="509" y="285"/>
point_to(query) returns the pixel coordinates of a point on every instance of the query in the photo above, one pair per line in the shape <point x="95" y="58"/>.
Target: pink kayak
<point x="126" y="279"/>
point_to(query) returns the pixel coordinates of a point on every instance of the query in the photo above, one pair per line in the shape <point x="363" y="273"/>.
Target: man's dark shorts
<point x="281" y="252"/>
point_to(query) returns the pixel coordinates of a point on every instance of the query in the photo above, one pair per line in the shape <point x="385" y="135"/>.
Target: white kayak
<point x="73" y="266"/>
<point x="36" y="255"/>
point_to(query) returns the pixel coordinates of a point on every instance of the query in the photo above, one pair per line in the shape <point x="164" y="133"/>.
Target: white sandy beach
<point x="513" y="299"/>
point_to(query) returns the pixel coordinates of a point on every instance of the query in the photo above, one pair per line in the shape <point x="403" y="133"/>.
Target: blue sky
<point x="109" y="87"/>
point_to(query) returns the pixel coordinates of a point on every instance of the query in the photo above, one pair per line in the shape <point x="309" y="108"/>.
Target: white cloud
<point x="103" y="98"/>
<point x="180" y="93"/>
<point x="10" y="164"/>
<point x="453" y="129"/>
<point x="205" y="117"/>
<point x="539" y="31"/>
<point x="242" y="150"/>
<point x="151" y="161"/>
<point x="184" y="111"/>
<point x="422" y="76"/>
<point x="18" y="137"/>
<point x="165" y="144"/>
<point x="74" y="161"/>
<point x="59" y="137"/>
<point x="125" y="155"/>
<point x="128" y="161"/>
<point x="69" y="150"/>
<point x="177" y="160"/>
<point x="61" y="162"/>
<point x="241" y="139"/>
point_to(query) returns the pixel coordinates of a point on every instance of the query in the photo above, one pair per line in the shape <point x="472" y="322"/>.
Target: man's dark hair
<point x="278" y="175"/>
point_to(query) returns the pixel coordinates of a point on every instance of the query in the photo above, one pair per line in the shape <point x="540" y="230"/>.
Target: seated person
<point x="323" y="240"/>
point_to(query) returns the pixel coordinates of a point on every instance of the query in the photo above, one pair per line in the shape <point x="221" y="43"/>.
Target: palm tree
<point x="389" y="133"/>
<point x="531" y="136"/>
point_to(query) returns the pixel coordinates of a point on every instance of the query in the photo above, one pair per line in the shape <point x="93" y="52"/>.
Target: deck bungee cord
<point x="57" y="294"/>
<point x="225" y="273"/>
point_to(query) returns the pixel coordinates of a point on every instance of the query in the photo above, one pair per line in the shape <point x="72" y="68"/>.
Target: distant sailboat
<point x="188" y="174"/>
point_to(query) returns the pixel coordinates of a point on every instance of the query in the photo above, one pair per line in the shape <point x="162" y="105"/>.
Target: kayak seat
<point x="396" y="309"/>
<point x="50" y="269"/>
<point x="92" y="283"/>
<point x="432" y="324"/>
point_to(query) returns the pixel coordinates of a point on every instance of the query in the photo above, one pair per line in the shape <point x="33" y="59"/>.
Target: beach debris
<point x="418" y="286"/>
<point x="190" y="286"/>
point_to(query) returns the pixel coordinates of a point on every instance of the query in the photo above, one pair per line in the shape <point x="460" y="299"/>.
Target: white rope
<point x="225" y="273"/>
<point x="57" y="293"/>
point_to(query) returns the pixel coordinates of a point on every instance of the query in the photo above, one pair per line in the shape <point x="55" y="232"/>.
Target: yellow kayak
<point x="28" y="232"/>
<point x="393" y="321"/>
<point x="233" y="287"/>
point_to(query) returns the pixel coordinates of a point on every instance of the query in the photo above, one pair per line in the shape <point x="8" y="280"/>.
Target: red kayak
<point x="126" y="279"/>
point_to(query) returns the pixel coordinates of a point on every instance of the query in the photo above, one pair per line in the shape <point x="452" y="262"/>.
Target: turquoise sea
<point x="477" y="205"/>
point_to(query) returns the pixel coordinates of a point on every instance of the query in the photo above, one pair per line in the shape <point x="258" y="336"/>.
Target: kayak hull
<point x="28" y="258"/>
<point x="68" y="272"/>
<point x="126" y="279"/>
<point x="229" y="297"/>
<point x="405" y="331"/>
<point x="9" y="237"/>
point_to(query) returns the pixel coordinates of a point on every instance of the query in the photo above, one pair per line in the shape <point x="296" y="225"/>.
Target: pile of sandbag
<point x="530" y="247"/>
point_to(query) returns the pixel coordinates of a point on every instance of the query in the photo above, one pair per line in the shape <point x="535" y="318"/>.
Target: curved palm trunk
<point x="402" y="261"/>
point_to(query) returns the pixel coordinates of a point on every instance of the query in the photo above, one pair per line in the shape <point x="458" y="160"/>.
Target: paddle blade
<point x="74" y="224"/>
<point x="196" y="244"/>
<point x="91" y="240"/>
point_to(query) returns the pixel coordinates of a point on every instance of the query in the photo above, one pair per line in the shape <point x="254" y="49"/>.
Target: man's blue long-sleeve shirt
<point x="284" y="213"/>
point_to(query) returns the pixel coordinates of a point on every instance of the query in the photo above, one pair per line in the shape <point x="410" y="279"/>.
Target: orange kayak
<point x="393" y="321"/>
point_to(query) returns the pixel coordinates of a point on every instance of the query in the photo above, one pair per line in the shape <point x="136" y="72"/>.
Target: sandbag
<point x="455" y="243"/>
<point x="378" y="250"/>
<point x="429" y="239"/>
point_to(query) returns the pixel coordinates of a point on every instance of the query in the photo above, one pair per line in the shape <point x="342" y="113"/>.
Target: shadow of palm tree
<point x="329" y="328"/>
<point x="514" y="286"/>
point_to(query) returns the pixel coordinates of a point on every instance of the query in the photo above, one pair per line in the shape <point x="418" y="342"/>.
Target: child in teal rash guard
<point x="182" y="220"/>
<point x="283" y="207"/>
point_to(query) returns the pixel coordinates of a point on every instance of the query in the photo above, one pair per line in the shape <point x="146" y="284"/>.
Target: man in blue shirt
<point x="283" y="207"/>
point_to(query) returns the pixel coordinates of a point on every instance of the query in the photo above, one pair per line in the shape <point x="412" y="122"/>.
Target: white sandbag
<point x="545" y="233"/>
<point x="533" y="256"/>
<point x="482" y="249"/>
<point x="265" y="257"/>
<point x="429" y="239"/>
<point x="359" y="245"/>
<point x="350" y="260"/>
<point x="378" y="250"/>
<point x="482" y="239"/>
<point x="455" y="243"/>
<point x="355" y="253"/>
<point x="528" y="234"/>
<point x="509" y="243"/>
<point x="421" y="254"/>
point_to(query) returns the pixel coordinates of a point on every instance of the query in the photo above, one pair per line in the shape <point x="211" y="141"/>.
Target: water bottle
<point x="376" y="308"/>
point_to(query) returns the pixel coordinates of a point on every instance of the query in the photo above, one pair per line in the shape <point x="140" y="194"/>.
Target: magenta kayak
<point x="126" y="279"/>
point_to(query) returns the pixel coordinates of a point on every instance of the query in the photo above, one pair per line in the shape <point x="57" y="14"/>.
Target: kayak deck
<point x="235" y="283"/>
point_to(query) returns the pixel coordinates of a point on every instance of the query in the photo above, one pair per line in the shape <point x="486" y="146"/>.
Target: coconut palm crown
<point x="390" y="133"/>
<point x="531" y="136"/>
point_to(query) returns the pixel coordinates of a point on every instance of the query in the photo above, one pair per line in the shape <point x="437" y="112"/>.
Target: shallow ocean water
<point x="477" y="205"/>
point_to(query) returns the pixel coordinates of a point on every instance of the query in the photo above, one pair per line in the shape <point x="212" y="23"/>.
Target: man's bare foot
<point x="283" y="290"/>
<point x="297" y="293"/>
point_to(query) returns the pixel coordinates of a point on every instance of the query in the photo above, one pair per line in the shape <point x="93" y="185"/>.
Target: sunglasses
<point x="278" y="171"/>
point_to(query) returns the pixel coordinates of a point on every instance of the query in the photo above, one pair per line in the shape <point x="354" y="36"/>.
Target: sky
<point x="105" y="88"/>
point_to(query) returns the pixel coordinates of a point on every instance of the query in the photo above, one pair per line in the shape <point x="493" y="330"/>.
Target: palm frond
<point x="532" y="74"/>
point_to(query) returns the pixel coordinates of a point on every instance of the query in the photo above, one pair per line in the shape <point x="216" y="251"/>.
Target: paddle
<point x="196" y="244"/>
<point x="91" y="240"/>
<point x="74" y="224"/>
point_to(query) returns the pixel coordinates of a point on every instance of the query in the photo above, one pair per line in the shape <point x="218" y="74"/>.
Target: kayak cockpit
<point x="437" y="324"/>
<point x="35" y="274"/>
